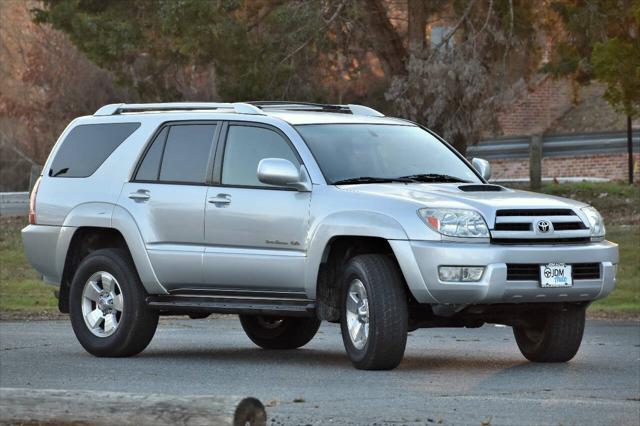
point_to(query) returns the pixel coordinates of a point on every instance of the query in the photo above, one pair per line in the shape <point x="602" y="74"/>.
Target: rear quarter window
<point x="87" y="146"/>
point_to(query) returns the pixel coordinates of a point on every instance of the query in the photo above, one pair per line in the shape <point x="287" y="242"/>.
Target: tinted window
<point x="245" y="147"/>
<point x="151" y="164"/>
<point x="346" y="151"/>
<point x="87" y="146"/>
<point x="186" y="153"/>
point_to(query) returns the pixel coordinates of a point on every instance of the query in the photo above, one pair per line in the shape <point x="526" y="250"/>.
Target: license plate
<point x="555" y="275"/>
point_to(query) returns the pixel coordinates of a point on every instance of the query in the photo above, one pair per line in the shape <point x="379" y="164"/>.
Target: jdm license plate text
<point x="555" y="275"/>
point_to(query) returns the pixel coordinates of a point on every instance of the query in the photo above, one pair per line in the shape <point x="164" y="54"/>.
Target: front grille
<point x="513" y="227"/>
<point x="540" y="241"/>
<point x="531" y="271"/>
<point x="520" y="226"/>
<point x="568" y="226"/>
<point x="536" y="212"/>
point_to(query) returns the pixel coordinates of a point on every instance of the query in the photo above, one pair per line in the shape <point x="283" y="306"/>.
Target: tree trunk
<point x="384" y="39"/>
<point x="630" y="148"/>
<point x="417" y="14"/>
<point x="460" y="144"/>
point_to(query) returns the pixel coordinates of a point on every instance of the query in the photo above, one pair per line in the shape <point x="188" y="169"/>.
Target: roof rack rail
<point x="317" y="107"/>
<point x="238" y="107"/>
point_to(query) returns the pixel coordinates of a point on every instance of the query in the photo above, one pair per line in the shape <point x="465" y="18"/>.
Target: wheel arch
<point x="85" y="240"/>
<point x="93" y="231"/>
<point x="337" y="252"/>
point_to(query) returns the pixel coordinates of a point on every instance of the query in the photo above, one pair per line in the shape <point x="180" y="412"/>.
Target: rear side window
<point x="179" y="154"/>
<point x="87" y="146"/>
<point x="150" y="166"/>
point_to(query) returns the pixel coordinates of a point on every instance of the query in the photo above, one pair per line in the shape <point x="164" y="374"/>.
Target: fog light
<point x="460" y="273"/>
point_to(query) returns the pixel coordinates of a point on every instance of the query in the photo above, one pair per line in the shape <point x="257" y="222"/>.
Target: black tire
<point x="137" y="323"/>
<point x="555" y="336"/>
<point x="270" y="332"/>
<point x="387" y="312"/>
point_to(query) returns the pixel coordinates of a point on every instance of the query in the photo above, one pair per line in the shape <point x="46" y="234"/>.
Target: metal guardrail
<point x="555" y="145"/>
<point x="14" y="203"/>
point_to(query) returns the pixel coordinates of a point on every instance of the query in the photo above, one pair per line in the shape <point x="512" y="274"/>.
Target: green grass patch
<point x="21" y="289"/>
<point x="626" y="296"/>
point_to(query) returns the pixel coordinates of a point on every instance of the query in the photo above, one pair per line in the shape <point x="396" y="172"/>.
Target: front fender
<point x="346" y="223"/>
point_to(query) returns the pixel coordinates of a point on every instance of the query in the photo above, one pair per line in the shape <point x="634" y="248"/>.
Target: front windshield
<point x="348" y="152"/>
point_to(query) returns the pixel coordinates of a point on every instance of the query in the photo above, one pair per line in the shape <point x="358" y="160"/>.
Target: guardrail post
<point x="535" y="162"/>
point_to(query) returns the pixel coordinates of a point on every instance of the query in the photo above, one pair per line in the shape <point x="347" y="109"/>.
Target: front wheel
<point x="107" y="305"/>
<point x="374" y="312"/>
<point x="271" y="332"/>
<point x="553" y="336"/>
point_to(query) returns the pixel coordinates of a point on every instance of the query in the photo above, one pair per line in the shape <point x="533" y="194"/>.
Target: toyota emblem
<point x="543" y="226"/>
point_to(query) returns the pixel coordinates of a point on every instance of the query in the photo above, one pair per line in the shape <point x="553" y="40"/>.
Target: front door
<point x="167" y="200"/>
<point x="256" y="234"/>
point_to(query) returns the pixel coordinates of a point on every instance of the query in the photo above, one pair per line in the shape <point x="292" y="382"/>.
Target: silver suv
<point x="292" y="213"/>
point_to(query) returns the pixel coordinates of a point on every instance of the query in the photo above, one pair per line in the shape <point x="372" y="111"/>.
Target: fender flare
<point x="110" y="216"/>
<point x="354" y="223"/>
<point x="123" y="222"/>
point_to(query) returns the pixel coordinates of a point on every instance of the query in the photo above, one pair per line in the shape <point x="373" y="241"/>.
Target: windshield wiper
<point x="434" y="177"/>
<point x="59" y="172"/>
<point x="369" y="179"/>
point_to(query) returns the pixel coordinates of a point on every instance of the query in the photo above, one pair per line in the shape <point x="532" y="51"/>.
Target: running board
<point x="184" y="304"/>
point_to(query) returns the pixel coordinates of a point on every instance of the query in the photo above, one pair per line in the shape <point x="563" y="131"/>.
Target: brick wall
<point x="605" y="166"/>
<point x="536" y="107"/>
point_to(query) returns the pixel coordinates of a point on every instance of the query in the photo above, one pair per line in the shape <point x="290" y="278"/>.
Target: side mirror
<point x="483" y="167"/>
<point x="281" y="172"/>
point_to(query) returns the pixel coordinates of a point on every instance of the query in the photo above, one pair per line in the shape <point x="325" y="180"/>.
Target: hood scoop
<point x="481" y="188"/>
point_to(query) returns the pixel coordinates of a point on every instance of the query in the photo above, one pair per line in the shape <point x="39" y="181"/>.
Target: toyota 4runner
<point x="288" y="214"/>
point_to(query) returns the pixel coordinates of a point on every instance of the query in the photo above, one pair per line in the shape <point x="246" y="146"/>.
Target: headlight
<point x="455" y="222"/>
<point x="596" y="224"/>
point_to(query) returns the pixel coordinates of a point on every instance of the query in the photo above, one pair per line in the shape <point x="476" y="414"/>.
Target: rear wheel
<point x="554" y="336"/>
<point x="272" y="332"/>
<point x="374" y="313"/>
<point x="107" y="305"/>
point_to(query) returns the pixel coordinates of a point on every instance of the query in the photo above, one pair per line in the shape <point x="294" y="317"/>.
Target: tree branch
<point x="324" y="27"/>
<point x="446" y="39"/>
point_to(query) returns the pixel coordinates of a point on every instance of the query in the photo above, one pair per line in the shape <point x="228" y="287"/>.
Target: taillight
<point x="32" y="202"/>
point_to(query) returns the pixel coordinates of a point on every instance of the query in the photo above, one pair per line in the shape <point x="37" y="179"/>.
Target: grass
<point x="625" y="299"/>
<point x="21" y="290"/>
<point x="23" y="293"/>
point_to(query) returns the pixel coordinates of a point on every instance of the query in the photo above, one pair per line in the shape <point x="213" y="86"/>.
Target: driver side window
<point x="245" y="147"/>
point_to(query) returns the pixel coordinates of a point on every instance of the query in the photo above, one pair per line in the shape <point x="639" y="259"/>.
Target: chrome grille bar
<point x="533" y="219"/>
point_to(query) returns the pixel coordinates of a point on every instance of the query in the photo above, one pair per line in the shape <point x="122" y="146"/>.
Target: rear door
<point x="256" y="234"/>
<point x="167" y="198"/>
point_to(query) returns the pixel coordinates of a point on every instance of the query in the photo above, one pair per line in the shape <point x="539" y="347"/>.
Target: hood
<point x="484" y="198"/>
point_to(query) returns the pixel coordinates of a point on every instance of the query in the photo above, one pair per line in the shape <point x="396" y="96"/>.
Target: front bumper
<point x="419" y="261"/>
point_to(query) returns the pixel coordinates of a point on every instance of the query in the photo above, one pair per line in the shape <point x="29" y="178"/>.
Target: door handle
<point x="140" y="195"/>
<point x="220" y="199"/>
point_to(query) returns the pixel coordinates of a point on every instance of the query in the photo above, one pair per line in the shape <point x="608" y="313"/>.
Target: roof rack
<point x="240" y="108"/>
<point x="254" y="108"/>
<point x="316" y="107"/>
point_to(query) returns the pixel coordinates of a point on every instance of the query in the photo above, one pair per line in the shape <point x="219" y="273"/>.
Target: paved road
<point x="449" y="376"/>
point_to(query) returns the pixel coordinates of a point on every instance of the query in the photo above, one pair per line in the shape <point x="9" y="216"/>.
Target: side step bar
<point x="184" y="304"/>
